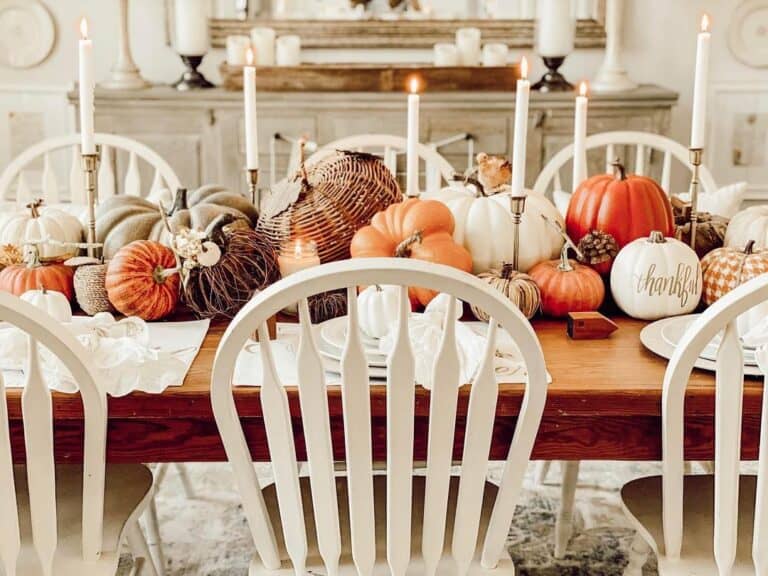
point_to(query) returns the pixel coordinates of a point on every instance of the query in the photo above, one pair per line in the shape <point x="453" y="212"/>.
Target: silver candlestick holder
<point x="695" y="156"/>
<point x="90" y="164"/>
<point x="253" y="185"/>
<point x="517" y="206"/>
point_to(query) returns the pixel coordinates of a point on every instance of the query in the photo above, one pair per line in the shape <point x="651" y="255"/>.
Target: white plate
<point x="27" y="33"/>
<point x="334" y="333"/>
<point x="651" y="337"/>
<point x="327" y="350"/>
<point x="673" y="332"/>
<point x="334" y="367"/>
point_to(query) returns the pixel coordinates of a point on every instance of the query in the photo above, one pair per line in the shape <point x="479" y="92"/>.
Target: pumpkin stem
<point x="403" y="249"/>
<point x="477" y="184"/>
<point x="32" y="257"/>
<point x="565" y="264"/>
<point x="160" y="274"/>
<point x="507" y="270"/>
<point x="34" y="207"/>
<point x="179" y="201"/>
<point x="619" y="172"/>
<point x="656" y="237"/>
<point x="749" y="248"/>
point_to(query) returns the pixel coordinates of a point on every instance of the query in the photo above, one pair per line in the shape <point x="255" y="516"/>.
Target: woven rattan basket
<point x="328" y="202"/>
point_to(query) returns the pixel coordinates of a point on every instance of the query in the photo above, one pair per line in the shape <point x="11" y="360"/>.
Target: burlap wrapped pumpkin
<point x="122" y="219"/>
<point x="328" y="202"/>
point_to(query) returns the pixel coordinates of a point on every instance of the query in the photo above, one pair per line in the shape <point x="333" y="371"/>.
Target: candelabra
<point x="253" y="183"/>
<point x="695" y="156"/>
<point x="192" y="78"/>
<point x="517" y="206"/>
<point x="90" y="164"/>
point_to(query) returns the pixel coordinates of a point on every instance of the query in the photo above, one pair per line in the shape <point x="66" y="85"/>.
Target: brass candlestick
<point x="90" y="164"/>
<point x="695" y="155"/>
<point x="517" y="206"/>
<point x="253" y="184"/>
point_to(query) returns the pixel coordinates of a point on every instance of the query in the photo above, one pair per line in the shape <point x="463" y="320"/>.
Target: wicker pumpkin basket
<point x="328" y="202"/>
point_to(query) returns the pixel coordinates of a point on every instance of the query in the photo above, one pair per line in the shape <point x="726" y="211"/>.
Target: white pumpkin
<point x="749" y="224"/>
<point x="438" y="306"/>
<point x="50" y="301"/>
<point x="378" y="308"/>
<point x="484" y="227"/>
<point x="35" y="223"/>
<point x="656" y="277"/>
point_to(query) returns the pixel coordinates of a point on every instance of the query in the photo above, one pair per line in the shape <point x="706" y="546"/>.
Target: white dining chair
<point x="361" y="523"/>
<point x="707" y="524"/>
<point x="438" y="171"/>
<point x="67" y="520"/>
<point x="620" y="143"/>
<point x="64" y="151"/>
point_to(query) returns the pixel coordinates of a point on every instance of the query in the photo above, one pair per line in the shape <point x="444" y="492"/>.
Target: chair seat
<point x="346" y="566"/>
<point x="642" y="500"/>
<point x="127" y="489"/>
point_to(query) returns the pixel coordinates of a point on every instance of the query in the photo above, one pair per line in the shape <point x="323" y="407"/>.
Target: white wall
<point x="659" y="48"/>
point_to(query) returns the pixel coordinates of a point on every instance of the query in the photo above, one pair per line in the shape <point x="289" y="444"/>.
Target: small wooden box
<point x="589" y="326"/>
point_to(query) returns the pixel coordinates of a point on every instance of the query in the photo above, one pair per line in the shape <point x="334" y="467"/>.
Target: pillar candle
<point x="495" y="55"/>
<point x="237" y="46"/>
<point x="86" y="80"/>
<point x="412" y="167"/>
<point x="296" y="255"/>
<point x="555" y="28"/>
<point x="580" y="137"/>
<point x="446" y="54"/>
<point x="288" y="50"/>
<point x="251" y="125"/>
<point x="468" y="46"/>
<point x="191" y="27"/>
<point x="699" y="120"/>
<point x="263" y="42"/>
<point x="521" y="130"/>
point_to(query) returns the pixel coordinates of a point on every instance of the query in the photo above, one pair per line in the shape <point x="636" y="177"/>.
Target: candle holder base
<point x="192" y="79"/>
<point x="553" y="80"/>
<point x="90" y="167"/>
<point x="253" y="185"/>
<point x="696" y="155"/>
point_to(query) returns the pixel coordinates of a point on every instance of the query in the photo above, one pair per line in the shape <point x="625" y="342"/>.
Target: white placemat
<point x="175" y="346"/>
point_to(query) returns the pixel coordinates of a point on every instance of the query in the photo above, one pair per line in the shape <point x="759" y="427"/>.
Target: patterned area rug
<point x="208" y="535"/>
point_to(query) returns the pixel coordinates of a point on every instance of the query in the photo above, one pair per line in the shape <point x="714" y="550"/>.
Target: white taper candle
<point x="700" y="86"/>
<point x="521" y="129"/>
<point x="251" y="121"/>
<point x="412" y="166"/>
<point x="86" y="80"/>
<point x="580" y="137"/>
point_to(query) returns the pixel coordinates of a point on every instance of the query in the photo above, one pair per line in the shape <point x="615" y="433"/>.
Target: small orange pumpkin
<point x="414" y="228"/>
<point x="142" y="280"/>
<point x="33" y="275"/>
<point x="567" y="286"/>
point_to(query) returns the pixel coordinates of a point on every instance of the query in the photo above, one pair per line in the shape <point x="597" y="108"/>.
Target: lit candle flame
<point x="705" y="22"/>
<point x="524" y="68"/>
<point x="249" y="56"/>
<point x="84" y="28"/>
<point x="414" y="84"/>
<point x="298" y="249"/>
<point x="583" y="88"/>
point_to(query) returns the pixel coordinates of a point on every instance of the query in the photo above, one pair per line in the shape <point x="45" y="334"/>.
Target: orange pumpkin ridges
<point x="627" y="207"/>
<point x="138" y="283"/>
<point x="567" y="286"/>
<point x="414" y="228"/>
<point x="21" y="278"/>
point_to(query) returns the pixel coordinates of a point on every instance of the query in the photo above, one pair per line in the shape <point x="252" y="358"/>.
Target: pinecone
<point x="597" y="247"/>
<point x="10" y="255"/>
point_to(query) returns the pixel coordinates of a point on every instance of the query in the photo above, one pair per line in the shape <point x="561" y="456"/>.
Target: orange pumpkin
<point x="626" y="207"/>
<point x="142" y="280"/>
<point x="567" y="286"/>
<point x="20" y="278"/>
<point x="724" y="269"/>
<point x="420" y="229"/>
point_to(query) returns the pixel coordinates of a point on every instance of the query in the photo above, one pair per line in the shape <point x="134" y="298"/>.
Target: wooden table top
<point x="604" y="402"/>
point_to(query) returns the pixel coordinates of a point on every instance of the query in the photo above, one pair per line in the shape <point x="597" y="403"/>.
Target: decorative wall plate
<point x="748" y="33"/>
<point x="27" y="33"/>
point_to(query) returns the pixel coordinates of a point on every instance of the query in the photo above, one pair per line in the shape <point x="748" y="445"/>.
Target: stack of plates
<point x="333" y="336"/>
<point x="663" y="336"/>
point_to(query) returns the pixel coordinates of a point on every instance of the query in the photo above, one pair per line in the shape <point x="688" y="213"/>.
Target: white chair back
<point x="619" y="144"/>
<point x="720" y="318"/>
<point x="437" y="169"/>
<point x="37" y="414"/>
<point x="400" y="422"/>
<point x="62" y="155"/>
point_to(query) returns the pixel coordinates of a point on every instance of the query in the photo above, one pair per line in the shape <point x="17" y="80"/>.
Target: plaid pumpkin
<point x="726" y="268"/>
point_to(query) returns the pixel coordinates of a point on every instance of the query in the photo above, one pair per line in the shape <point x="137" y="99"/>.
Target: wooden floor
<point x="604" y="403"/>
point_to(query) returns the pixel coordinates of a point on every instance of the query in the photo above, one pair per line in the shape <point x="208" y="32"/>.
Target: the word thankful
<point x="682" y="283"/>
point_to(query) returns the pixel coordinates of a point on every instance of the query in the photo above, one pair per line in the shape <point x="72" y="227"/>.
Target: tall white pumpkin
<point x="749" y="224"/>
<point x="36" y="223"/>
<point x="484" y="227"/>
<point x="656" y="277"/>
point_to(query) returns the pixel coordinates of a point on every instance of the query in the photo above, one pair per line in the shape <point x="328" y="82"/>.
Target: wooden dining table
<point x="604" y="403"/>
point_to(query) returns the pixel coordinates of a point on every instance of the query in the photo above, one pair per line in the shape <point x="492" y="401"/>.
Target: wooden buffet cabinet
<point x="201" y="133"/>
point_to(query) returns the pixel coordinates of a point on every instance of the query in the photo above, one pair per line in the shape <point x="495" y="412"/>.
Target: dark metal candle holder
<point x="553" y="80"/>
<point x="192" y="79"/>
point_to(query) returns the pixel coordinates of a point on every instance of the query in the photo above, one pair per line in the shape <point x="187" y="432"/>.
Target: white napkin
<point x="127" y="352"/>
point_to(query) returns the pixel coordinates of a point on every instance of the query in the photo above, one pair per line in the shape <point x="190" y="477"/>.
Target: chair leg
<point x="542" y="470"/>
<point x="143" y="561"/>
<point x="152" y="526"/>
<point x="189" y="490"/>
<point x="638" y="555"/>
<point x="564" y="521"/>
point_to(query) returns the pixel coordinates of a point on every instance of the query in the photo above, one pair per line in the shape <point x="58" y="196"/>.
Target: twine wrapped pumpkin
<point x="328" y="202"/>
<point x="90" y="285"/>
<point x="246" y="263"/>
<point x="517" y="286"/>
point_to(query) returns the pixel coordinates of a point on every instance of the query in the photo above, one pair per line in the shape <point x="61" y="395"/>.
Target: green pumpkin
<point x="122" y="219"/>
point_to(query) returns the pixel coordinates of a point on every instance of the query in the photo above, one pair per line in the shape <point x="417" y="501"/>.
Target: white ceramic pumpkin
<point x="36" y="223"/>
<point x="484" y="227"/>
<point x="378" y="308"/>
<point x="438" y="306"/>
<point x="656" y="277"/>
<point x="749" y="224"/>
<point x="50" y="301"/>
